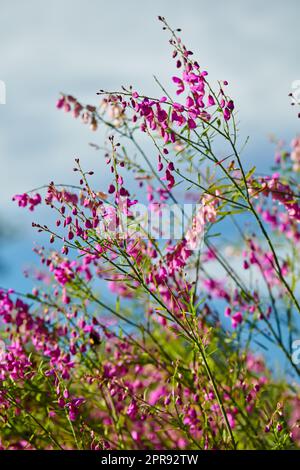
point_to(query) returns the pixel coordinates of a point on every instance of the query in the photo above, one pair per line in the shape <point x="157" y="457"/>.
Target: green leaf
<point x="250" y="172"/>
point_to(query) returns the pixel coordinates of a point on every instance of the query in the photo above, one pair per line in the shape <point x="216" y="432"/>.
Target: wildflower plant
<point x="146" y="330"/>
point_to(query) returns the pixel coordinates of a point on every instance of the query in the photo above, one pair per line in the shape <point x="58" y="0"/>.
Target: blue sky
<point x="79" y="47"/>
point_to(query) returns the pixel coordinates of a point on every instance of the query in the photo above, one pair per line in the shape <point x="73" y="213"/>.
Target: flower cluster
<point x="131" y="339"/>
<point x="25" y="200"/>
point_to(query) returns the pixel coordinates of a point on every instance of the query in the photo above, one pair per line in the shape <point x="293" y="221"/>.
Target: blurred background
<point x="78" y="47"/>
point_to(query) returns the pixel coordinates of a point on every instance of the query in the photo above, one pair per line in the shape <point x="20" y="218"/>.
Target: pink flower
<point x="24" y="200"/>
<point x="180" y="84"/>
<point x="236" y="319"/>
<point x="73" y="407"/>
<point x="60" y="102"/>
<point x="226" y="114"/>
<point x="192" y="124"/>
<point x="156" y="394"/>
<point x="210" y="101"/>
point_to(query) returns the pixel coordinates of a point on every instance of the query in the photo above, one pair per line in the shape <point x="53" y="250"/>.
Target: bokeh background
<point x="78" y="47"/>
